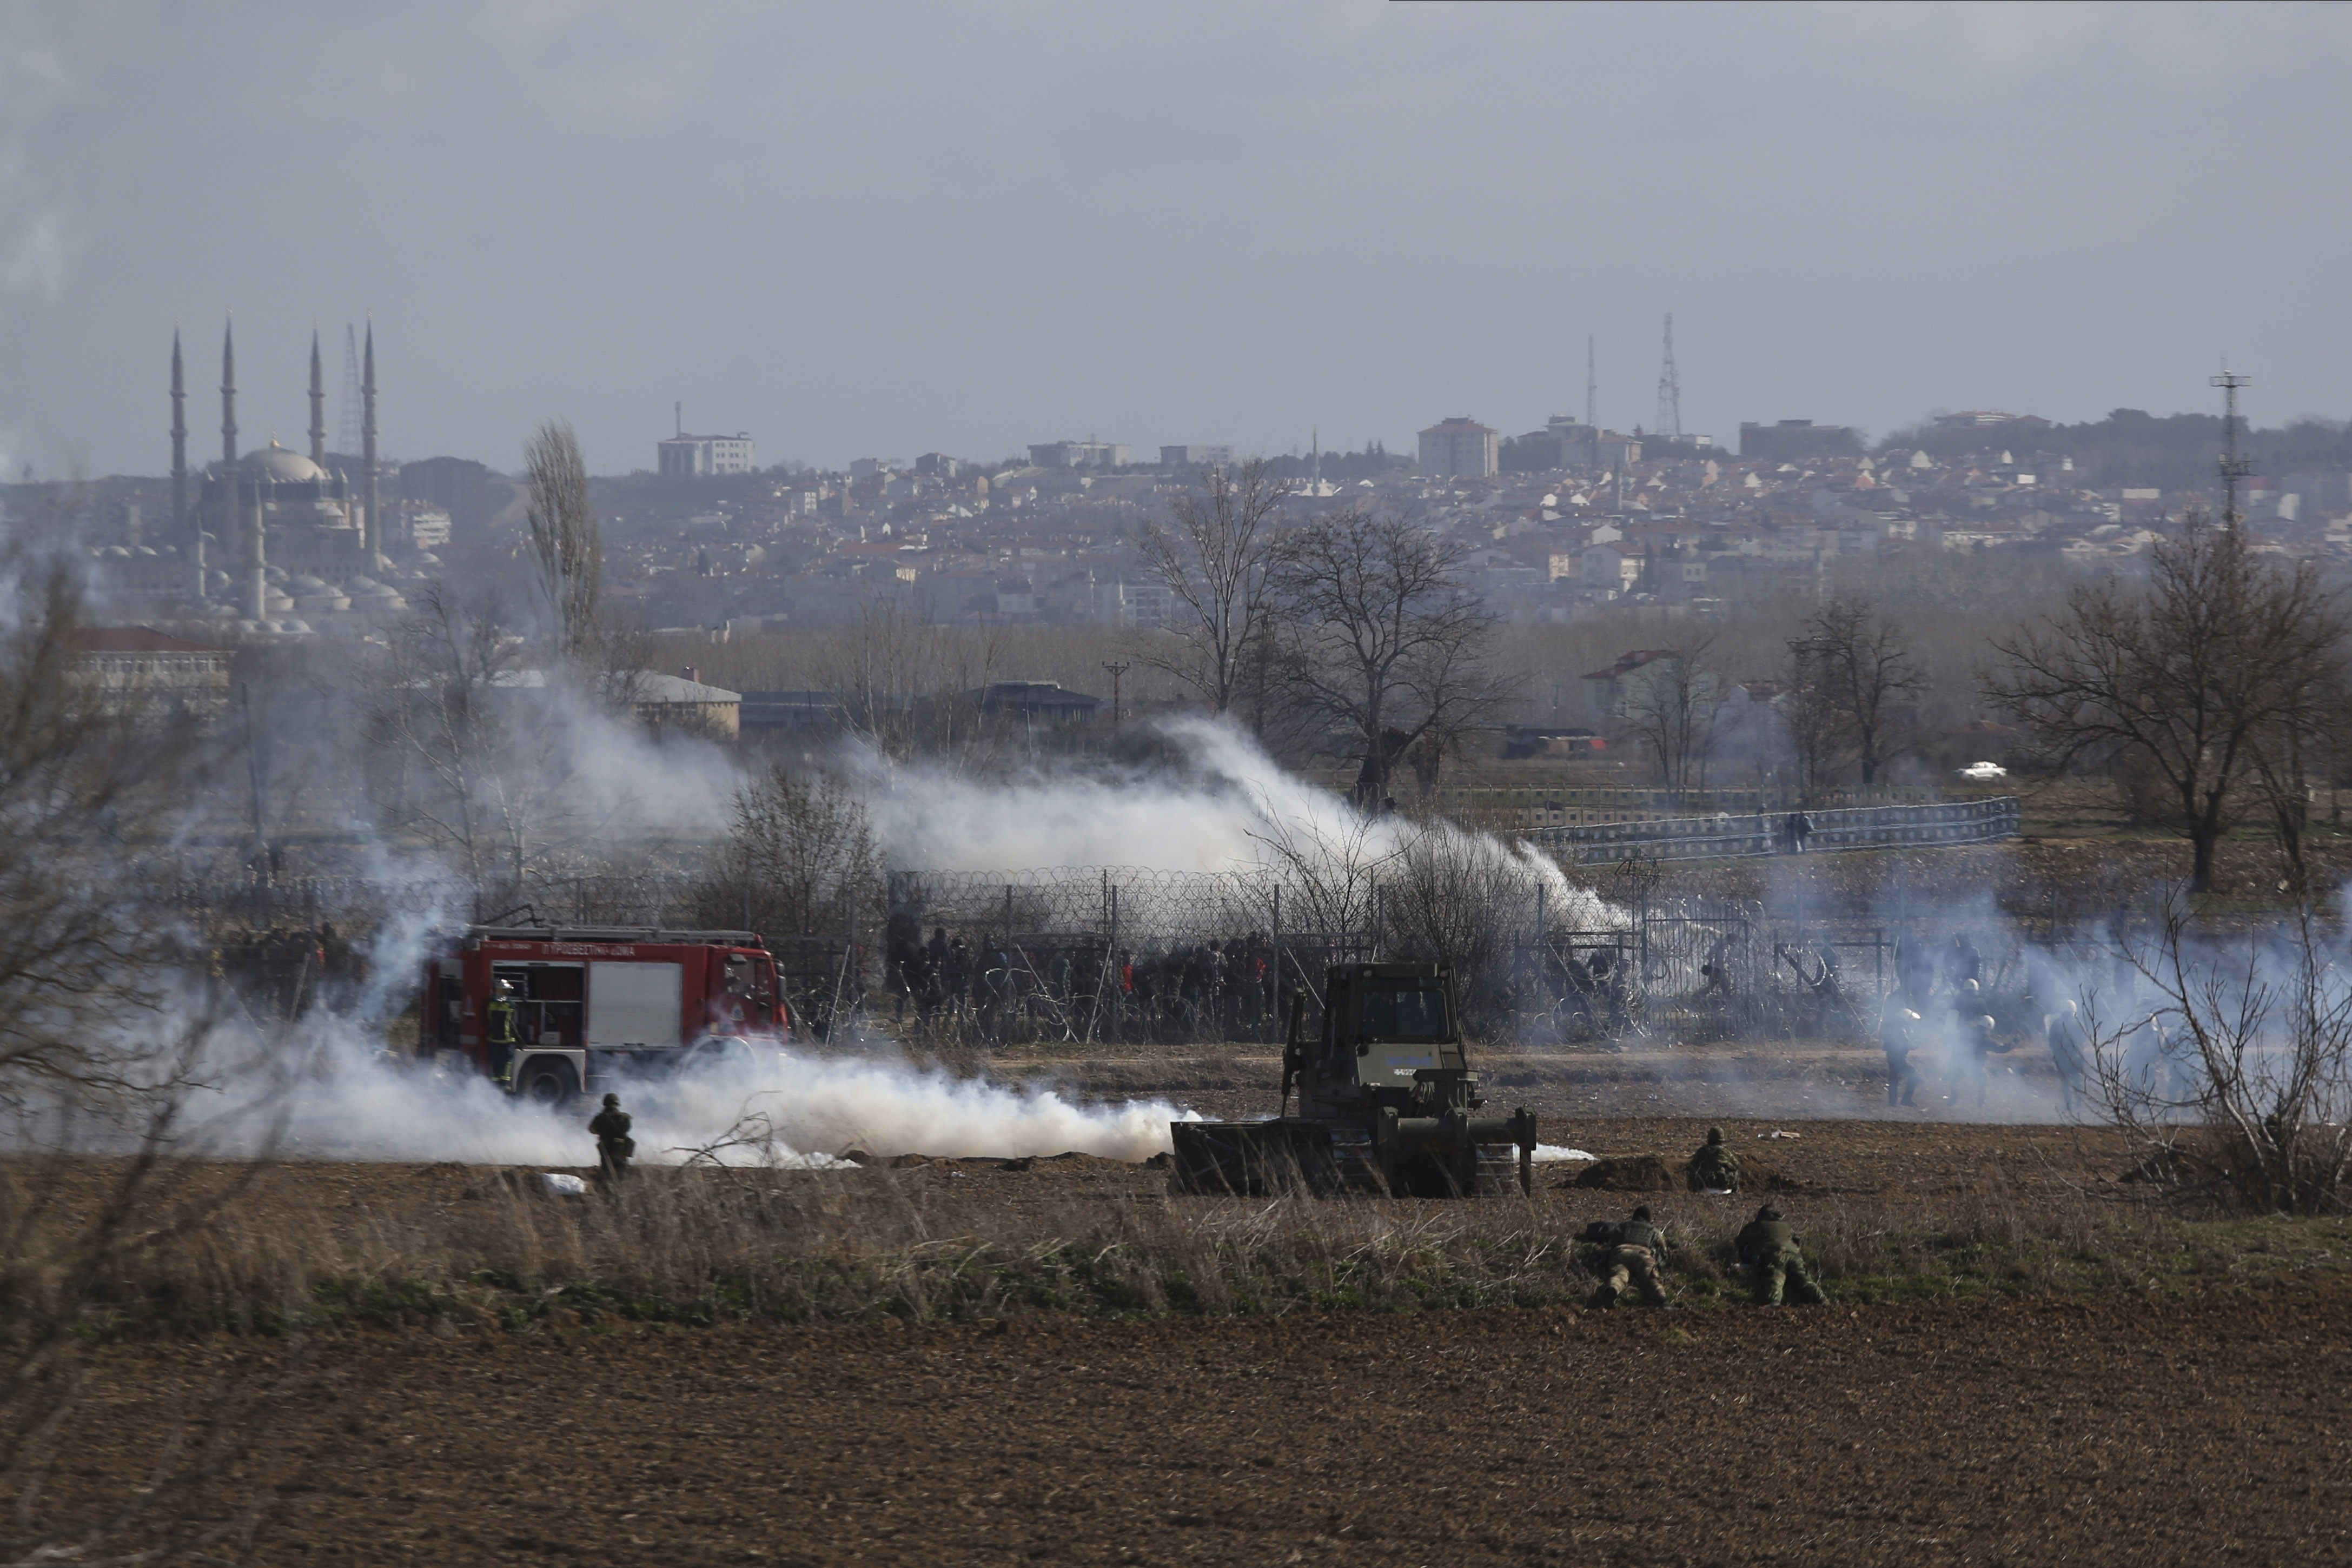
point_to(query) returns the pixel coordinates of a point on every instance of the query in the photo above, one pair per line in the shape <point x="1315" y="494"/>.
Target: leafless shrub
<point x="2228" y="1062"/>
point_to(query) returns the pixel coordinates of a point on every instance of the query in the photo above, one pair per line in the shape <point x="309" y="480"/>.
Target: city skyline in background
<point x="943" y="229"/>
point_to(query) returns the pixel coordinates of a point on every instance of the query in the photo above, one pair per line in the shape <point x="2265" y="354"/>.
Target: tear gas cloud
<point x="1222" y="814"/>
<point x="1232" y="808"/>
<point x="349" y="1103"/>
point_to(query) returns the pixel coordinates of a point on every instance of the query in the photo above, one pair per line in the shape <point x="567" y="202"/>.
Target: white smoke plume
<point x="350" y="1104"/>
<point x="1232" y="809"/>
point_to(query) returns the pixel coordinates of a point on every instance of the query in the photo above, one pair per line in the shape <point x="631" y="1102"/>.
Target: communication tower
<point x="2233" y="467"/>
<point x="1591" y="387"/>
<point x="1670" y="391"/>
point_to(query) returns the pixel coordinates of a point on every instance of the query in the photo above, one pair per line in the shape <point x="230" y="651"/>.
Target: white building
<point x="700" y="456"/>
<point x="1079" y="455"/>
<point x="1197" y="456"/>
<point x="1460" y="448"/>
<point x="1147" y="606"/>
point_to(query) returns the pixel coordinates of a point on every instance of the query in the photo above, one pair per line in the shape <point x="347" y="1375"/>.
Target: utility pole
<point x="1670" y="390"/>
<point x="1117" y="667"/>
<point x="2233" y="467"/>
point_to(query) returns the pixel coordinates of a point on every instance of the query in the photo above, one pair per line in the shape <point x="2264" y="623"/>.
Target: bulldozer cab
<point x="1389" y="1037"/>
<point x="1387" y="1105"/>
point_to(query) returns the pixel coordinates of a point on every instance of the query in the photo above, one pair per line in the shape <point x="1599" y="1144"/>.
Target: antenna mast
<point x="1591" y="387"/>
<point x="2233" y="467"/>
<point x="1670" y="390"/>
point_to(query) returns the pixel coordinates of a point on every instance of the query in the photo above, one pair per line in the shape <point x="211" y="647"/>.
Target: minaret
<point x="179" y="444"/>
<point x="231" y="515"/>
<point x="257" y="555"/>
<point x="318" y="404"/>
<point x="372" y="533"/>
<point x="228" y="396"/>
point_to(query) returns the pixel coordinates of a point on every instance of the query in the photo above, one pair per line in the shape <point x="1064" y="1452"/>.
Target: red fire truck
<point x="594" y="1004"/>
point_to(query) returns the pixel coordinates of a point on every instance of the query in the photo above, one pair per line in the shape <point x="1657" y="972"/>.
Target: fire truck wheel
<point x="551" y="1086"/>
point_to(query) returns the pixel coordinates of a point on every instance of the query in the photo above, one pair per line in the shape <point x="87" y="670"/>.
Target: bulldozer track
<point x="1356" y="1167"/>
<point x="1498" y="1171"/>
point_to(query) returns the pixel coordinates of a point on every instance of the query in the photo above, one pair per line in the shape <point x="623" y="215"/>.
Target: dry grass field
<point x="924" y="1360"/>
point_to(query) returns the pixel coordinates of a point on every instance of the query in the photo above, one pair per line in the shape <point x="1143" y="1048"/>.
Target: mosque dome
<point x="282" y="465"/>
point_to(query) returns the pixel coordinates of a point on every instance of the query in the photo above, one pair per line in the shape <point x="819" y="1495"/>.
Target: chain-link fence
<point x="1132" y="953"/>
<point x="1125" y="954"/>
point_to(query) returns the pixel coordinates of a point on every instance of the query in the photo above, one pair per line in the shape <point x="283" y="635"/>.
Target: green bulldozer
<point x="1387" y="1105"/>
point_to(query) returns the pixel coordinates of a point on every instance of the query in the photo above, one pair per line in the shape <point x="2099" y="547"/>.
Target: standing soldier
<point x="1769" y="1247"/>
<point x="614" y="1147"/>
<point x="1717" y="966"/>
<point x="1899" y="1041"/>
<point x="334" y="968"/>
<point x="1713" y="1168"/>
<point x="1964" y="970"/>
<point x="1632" y="1259"/>
<point x="498" y="1032"/>
<point x="935" y="972"/>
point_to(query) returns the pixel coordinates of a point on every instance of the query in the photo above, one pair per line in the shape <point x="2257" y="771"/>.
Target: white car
<point x="1984" y="772"/>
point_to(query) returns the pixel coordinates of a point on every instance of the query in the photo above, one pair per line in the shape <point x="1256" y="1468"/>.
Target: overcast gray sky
<point x="882" y="229"/>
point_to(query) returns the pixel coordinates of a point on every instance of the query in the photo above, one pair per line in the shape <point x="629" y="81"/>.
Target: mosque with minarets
<point x="275" y="540"/>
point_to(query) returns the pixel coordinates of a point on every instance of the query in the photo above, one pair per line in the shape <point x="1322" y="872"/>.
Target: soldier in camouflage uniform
<point x="1769" y="1247"/>
<point x="1632" y="1260"/>
<point x="1713" y="1168"/>
<point x="614" y="1147"/>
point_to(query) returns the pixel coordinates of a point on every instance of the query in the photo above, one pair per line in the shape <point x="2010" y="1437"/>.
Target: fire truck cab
<point x="595" y="1004"/>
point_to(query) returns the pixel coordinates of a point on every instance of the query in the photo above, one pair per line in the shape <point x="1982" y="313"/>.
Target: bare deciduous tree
<point x="904" y="682"/>
<point x="481" y="755"/>
<point x="1217" y="563"/>
<point x="1808" y="715"/>
<point x="2300" y="741"/>
<point x="1671" y="703"/>
<point x="2184" y="677"/>
<point x="802" y="852"/>
<point x="84" y="768"/>
<point x="1379" y="637"/>
<point x="566" y="544"/>
<point x="1858" y="664"/>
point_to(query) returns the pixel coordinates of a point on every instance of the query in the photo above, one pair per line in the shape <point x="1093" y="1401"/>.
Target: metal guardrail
<point x="1554" y="805"/>
<point x="1725" y="834"/>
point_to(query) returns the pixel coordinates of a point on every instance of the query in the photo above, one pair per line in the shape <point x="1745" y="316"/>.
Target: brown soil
<point x="2124" y="1431"/>
<point x="2129" y="1428"/>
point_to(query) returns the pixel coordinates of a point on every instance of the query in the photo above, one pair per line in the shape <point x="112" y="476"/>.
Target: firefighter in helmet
<point x="498" y="1020"/>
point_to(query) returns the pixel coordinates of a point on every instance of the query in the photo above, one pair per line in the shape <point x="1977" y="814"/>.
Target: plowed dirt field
<point x="2152" y="1423"/>
<point x="2132" y="1432"/>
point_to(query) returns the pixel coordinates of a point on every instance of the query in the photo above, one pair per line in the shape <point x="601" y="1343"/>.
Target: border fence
<point x="1118" y="954"/>
<point x="1766" y="833"/>
<point x="1131" y="953"/>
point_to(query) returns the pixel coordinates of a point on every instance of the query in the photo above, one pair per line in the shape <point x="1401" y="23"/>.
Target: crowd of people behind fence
<point x="1003" y="990"/>
<point x="286" y="971"/>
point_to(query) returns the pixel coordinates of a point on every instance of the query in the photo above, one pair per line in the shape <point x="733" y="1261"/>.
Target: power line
<point x="1670" y="390"/>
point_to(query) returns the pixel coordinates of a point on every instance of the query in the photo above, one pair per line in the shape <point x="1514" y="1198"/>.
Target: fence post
<point x="1277" y="943"/>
